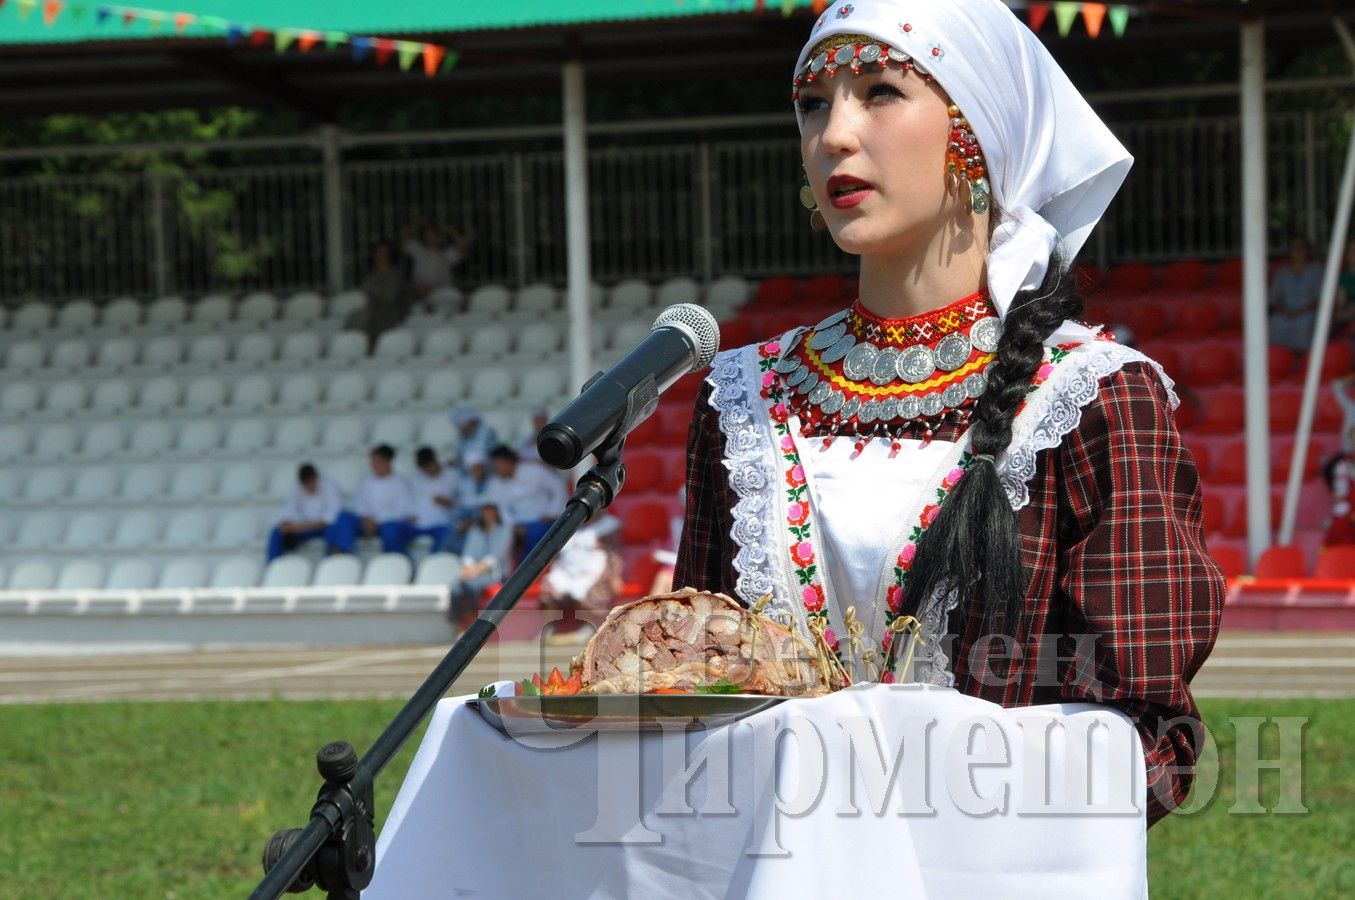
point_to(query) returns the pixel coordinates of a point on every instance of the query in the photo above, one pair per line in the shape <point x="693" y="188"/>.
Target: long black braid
<point x="974" y="540"/>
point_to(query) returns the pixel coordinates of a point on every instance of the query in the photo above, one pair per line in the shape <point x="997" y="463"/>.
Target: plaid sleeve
<point x="1137" y="574"/>
<point x="705" y="558"/>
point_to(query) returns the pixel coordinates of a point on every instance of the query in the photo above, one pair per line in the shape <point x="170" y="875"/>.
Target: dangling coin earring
<point x="965" y="164"/>
<point x="807" y="201"/>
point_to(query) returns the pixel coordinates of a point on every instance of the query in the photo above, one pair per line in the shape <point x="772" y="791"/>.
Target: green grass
<point x="175" y="800"/>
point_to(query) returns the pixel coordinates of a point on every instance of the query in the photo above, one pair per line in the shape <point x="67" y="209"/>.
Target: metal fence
<point x="669" y="205"/>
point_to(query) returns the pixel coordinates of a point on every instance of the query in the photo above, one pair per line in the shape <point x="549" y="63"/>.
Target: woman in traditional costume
<point x="955" y="454"/>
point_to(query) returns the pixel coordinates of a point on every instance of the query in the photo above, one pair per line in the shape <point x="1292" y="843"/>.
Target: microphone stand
<point x="337" y="849"/>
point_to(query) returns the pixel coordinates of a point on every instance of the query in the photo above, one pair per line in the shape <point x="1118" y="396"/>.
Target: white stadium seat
<point x="396" y="345"/>
<point x="492" y="299"/>
<point x="535" y="299"/>
<point x="345" y="472"/>
<point x="193" y="482"/>
<point x="441" y="343"/>
<point x="204" y="394"/>
<point x="295" y="435"/>
<point x="104" y="439"/>
<point x="347" y="346"/>
<point x="32" y="575"/>
<point x="14" y="441"/>
<point x="209" y="350"/>
<point x="213" y="309"/>
<point x="20" y="397"/>
<point x="117" y="353"/>
<point x="56" y="442"/>
<point x="162" y="352"/>
<point x="439" y="433"/>
<point x="344" y="433"/>
<point x="131" y="575"/>
<point x="439" y="568"/>
<point x="187" y="528"/>
<point x="260" y="307"/>
<point x="541" y="383"/>
<point x="302" y="347"/>
<point x="727" y="293"/>
<point x="167" y="311"/>
<point x="396" y="430"/>
<point x="347" y="390"/>
<point x="283" y="480"/>
<point x="41" y="530"/>
<point x="337" y="570"/>
<point x="491" y="385"/>
<point x="287" y="571"/>
<point x="144" y="482"/>
<point x="539" y="339"/>
<point x="46" y="485"/>
<point x="184" y="574"/>
<point x="255" y="348"/>
<point x="32" y="317"/>
<point x="631" y="294"/>
<point x="444" y="386"/>
<point x="344" y="304"/>
<point x="241" y="481"/>
<point x="122" y="313"/>
<point x="299" y="391"/>
<point x="25" y="356"/>
<point x="80" y="575"/>
<point x="75" y="316"/>
<point x="445" y="298"/>
<point x="87" y="531"/>
<point x="628" y="334"/>
<point x="246" y="436"/>
<point x="151" y="439"/>
<point x="112" y="395"/>
<point x="237" y="528"/>
<point x="303" y="307"/>
<point x="95" y="484"/>
<point x="66" y="397"/>
<point x="386" y="569"/>
<point x="678" y="290"/>
<point x="137" y="529"/>
<point x="71" y="354"/>
<point x="252" y="392"/>
<point x="236" y="572"/>
<point x="489" y="341"/>
<point x="199" y="437"/>
<point x="394" y="389"/>
<point x="10" y="487"/>
<point x="159" y="394"/>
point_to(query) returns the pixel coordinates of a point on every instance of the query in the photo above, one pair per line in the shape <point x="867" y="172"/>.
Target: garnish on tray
<point x="554" y="685"/>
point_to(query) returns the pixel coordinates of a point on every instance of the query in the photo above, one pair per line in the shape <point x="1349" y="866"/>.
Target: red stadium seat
<point x="1088" y="278"/>
<point x="1185" y="275"/>
<point x="1129" y="278"/>
<point x="1280" y="458"/>
<point x="642" y="472"/>
<point x="1214" y="364"/>
<point x="735" y="333"/>
<point x="1284" y="409"/>
<point x="1213" y="513"/>
<point x="647" y="432"/>
<point x="1283" y="561"/>
<point x="775" y="292"/>
<point x="1228" y="276"/>
<point x="1230" y="466"/>
<point x="1336" y="562"/>
<point x="1329" y="416"/>
<point x="685" y="389"/>
<point x="1231" y="560"/>
<point x="644" y="523"/>
<point x="1197" y="317"/>
<point x="825" y="290"/>
<point x="1338" y="360"/>
<point x="1145" y="318"/>
<point x="1280" y="362"/>
<point x="1224" y="413"/>
<point x="676" y="420"/>
<point x="1165" y="355"/>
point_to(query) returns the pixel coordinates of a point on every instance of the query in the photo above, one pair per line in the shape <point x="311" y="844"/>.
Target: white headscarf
<point x="1053" y="164"/>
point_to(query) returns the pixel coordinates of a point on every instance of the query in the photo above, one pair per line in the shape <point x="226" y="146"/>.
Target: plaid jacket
<point x="1123" y="602"/>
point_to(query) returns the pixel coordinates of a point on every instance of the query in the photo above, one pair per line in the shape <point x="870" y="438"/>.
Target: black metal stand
<point x="336" y="851"/>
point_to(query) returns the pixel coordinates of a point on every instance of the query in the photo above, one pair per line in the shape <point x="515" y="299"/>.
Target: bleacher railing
<point x="692" y="197"/>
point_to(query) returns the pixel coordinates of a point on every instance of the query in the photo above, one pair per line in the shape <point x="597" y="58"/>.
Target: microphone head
<point x="698" y="324"/>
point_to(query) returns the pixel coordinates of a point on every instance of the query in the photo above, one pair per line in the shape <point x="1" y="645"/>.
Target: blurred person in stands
<point x="1294" y="293"/>
<point x="435" y="487"/>
<point x="431" y="257"/>
<point x="387" y="292"/>
<point x="585" y="576"/>
<point x="527" y="446"/>
<point x="1339" y="473"/>
<point x="472" y="487"/>
<point x="488" y="557"/>
<point x="310" y="513"/>
<point x="1344" y="389"/>
<point x="383" y="507"/>
<point x="473" y="434"/>
<point x="531" y="495"/>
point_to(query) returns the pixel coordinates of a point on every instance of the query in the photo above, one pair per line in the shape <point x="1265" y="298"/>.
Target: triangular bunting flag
<point x="282" y="39"/>
<point x="101" y="16"/>
<point x="233" y="34"/>
<point x="26" y="7"/>
<point x="432" y="58"/>
<point x="182" y="21"/>
<point x="450" y="61"/>
<point x="1039" y="12"/>
<point x="1064" y="14"/>
<point x="1093" y="14"/>
<point x="128" y="17"/>
<point x="361" y="47"/>
<point x="306" y="40"/>
<point x="787" y="7"/>
<point x="819" y="6"/>
<point x="407" y="53"/>
<point x="334" y="39"/>
<point x="1119" y="18"/>
<point x="258" y="37"/>
<point x="50" y="10"/>
<point x="156" y="21"/>
<point x="384" y="48"/>
<point x="79" y="11"/>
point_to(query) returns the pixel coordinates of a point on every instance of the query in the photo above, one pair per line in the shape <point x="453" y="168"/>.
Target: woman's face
<point x="874" y="148"/>
<point x="489" y="517"/>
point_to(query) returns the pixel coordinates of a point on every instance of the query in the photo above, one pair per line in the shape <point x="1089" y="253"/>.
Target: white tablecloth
<point x="812" y="812"/>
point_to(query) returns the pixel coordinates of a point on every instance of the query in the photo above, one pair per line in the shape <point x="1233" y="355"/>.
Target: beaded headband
<point x="854" y="51"/>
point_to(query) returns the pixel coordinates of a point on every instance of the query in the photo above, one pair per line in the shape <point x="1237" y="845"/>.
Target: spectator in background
<point x="1339" y="473"/>
<point x="1344" y="389"/>
<point x="488" y="555"/>
<point x="1345" y="290"/>
<point x="473" y="434"/>
<point x="387" y="293"/>
<point x="531" y="495"/>
<point x="435" y="488"/>
<point x="586" y="575"/>
<point x="382" y="507"/>
<point x="310" y="513"/>
<point x="473" y="486"/>
<point x="1293" y="297"/>
<point x="527" y="447"/>
<point x="431" y="259"/>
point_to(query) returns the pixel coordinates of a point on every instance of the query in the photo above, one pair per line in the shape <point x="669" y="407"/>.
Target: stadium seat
<point x="56" y="442"/>
<point x="32" y="317"/>
<point x="71" y="354"/>
<point x="199" y="437"/>
<point x="642" y="472"/>
<point x="345" y="433"/>
<point x="209" y="350"/>
<point x="183" y="575"/>
<point x="394" y="390"/>
<point x="347" y="390"/>
<point x="80" y="575"/>
<point x="144" y="482"/>
<point x="305" y="306"/>
<point x="727" y="293"/>
<point x="1336" y="562"/>
<point x="45" y="485"/>
<point x="87" y="531"/>
<point x="130" y="575"/>
<point x="539" y="339"/>
<point x="1281" y="458"/>
<point x="253" y="349"/>
<point x="345" y="303"/>
<point x="1214" y="514"/>
<point x="394" y="346"/>
<point x="644" y="523"/>
<point x="441" y="343"/>
<point x="237" y="528"/>
<point x="491" y="386"/>
<point x="1132" y="278"/>
<point x="1280" y="362"/>
<point x="646" y="434"/>
<point x="1284" y="407"/>
<point x="260" y="307"/>
<point x="14" y="441"/>
<point x="112" y="395"/>
<point x="630" y="294"/>
<point x="214" y="309"/>
<point x="1281" y="561"/>
<point x="187" y="528"/>
<point x="1224" y="413"/>
<point x="341" y="569"/>
<point x="236" y="572"/>
<point x="396" y="430"/>
<point x="536" y="299"/>
<point x="246" y="436"/>
<point x="491" y="299"/>
<point x="95" y="484"/>
<point x="167" y="311"/>
<point x="628" y="334"/>
<point x="492" y="341"/>
<point x="1213" y="363"/>
<point x="193" y="482"/>
<point x="66" y="397"/>
<point x="677" y="290"/>
<point x="776" y="292"/>
<point x="1338" y="359"/>
<point x="439" y="433"/>
<point x="446" y="299"/>
<point x="439" y="568"/>
<point x="1183" y="275"/>
<point x="25" y="356"/>
<point x="1230" y="465"/>
<point x="151" y="439"/>
<point x="32" y="575"/>
<point x="42" y="530"/>
<point x="540" y="384"/>
<point x="1196" y="318"/>
<point x="162" y="352"/>
<point x="253" y="392"/>
<point x="19" y="397"/>
<point x="1228" y="276"/>
<point x="241" y="482"/>
<point x="159" y="394"/>
<point x="387" y="569"/>
<point x="824" y="291"/>
<point x="444" y="386"/>
<point x="346" y="346"/>
<point x="287" y="571"/>
<point x="121" y="314"/>
<point x="117" y="353"/>
<point x="302" y="348"/>
<point x="283" y="480"/>
<point x="299" y="392"/>
<point x="204" y="394"/>
<point x="295" y="435"/>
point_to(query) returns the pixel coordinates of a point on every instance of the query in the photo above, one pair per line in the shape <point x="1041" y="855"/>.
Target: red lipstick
<point x="844" y="191"/>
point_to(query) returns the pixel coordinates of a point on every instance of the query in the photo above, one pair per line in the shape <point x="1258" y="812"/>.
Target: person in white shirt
<point x="435" y="488"/>
<point x="474" y="436"/>
<point x="473" y="486"/>
<point x="382" y="507"/>
<point x="310" y="513"/>
<point x="431" y="259"/>
<point x="530" y="495"/>
<point x="487" y="556"/>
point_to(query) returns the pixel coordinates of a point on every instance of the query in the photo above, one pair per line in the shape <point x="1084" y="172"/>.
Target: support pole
<point x="576" y="224"/>
<point x="1254" y="266"/>
<point x="332" y="185"/>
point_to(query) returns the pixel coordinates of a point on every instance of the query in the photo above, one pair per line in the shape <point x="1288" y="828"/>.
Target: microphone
<point x="684" y="339"/>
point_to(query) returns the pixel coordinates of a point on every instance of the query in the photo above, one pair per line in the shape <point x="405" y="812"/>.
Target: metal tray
<point x="618" y="712"/>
